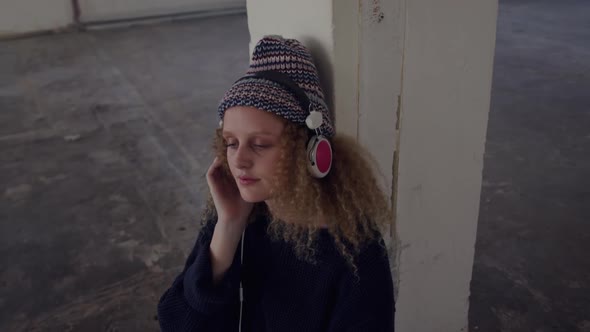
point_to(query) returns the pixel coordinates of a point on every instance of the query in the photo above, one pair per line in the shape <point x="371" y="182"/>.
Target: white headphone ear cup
<point x="319" y="154"/>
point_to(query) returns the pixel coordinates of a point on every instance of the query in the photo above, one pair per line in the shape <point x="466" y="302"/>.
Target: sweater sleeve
<point x="365" y="301"/>
<point x="193" y="302"/>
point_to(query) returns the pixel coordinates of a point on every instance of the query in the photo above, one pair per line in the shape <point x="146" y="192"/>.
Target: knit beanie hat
<point x="291" y="58"/>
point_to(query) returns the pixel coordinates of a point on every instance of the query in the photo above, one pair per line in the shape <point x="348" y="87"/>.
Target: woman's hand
<point x="231" y="208"/>
<point x="232" y="218"/>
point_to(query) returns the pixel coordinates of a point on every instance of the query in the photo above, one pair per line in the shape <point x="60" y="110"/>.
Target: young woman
<point x="291" y="236"/>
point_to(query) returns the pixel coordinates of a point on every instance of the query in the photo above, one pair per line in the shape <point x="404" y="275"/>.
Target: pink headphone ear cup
<point x="319" y="153"/>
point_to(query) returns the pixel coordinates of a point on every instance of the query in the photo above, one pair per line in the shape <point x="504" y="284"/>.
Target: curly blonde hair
<point x="348" y="202"/>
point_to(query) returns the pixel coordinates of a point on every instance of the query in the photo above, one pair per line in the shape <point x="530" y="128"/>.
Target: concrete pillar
<point x="447" y="72"/>
<point x="411" y="81"/>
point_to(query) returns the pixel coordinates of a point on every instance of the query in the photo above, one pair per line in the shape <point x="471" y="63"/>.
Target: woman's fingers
<point x="214" y="166"/>
<point x="226" y="195"/>
<point x="219" y="183"/>
<point x="213" y="172"/>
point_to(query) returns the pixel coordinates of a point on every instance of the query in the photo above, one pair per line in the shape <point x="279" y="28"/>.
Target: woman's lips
<point x="244" y="180"/>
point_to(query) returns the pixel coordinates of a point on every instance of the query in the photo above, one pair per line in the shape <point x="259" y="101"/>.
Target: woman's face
<point x="252" y="137"/>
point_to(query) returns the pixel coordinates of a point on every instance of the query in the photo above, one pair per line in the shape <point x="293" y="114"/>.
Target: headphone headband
<point x="285" y="81"/>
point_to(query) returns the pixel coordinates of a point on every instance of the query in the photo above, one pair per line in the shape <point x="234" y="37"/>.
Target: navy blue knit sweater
<point x="281" y="292"/>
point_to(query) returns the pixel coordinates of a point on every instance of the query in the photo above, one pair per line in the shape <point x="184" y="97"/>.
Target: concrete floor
<point x="102" y="158"/>
<point x="532" y="265"/>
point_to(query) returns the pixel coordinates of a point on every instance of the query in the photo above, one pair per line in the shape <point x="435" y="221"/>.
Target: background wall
<point x="100" y="10"/>
<point x="23" y="16"/>
<point x="20" y="16"/>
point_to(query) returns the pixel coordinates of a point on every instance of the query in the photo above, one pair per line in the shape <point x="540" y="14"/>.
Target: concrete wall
<point x="307" y="20"/>
<point x="21" y="16"/>
<point x="100" y="10"/>
<point x="447" y="72"/>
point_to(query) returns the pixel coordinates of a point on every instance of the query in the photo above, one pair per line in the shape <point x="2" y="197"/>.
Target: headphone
<point x="319" y="149"/>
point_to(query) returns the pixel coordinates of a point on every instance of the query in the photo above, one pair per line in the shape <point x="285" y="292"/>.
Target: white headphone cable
<point x="241" y="288"/>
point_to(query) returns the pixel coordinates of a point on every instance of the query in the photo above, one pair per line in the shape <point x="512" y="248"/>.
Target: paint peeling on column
<point x="398" y="118"/>
<point x="396" y="247"/>
<point x="358" y="67"/>
<point x="395" y="166"/>
<point x="398" y="111"/>
<point x="377" y="14"/>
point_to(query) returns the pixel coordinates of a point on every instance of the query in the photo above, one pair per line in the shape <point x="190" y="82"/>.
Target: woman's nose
<point x="243" y="158"/>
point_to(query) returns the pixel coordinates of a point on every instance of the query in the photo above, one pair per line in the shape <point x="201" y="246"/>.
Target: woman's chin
<point x="252" y="197"/>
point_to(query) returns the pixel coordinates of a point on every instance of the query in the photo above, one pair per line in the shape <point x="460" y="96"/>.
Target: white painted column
<point x="447" y="74"/>
<point x="410" y="79"/>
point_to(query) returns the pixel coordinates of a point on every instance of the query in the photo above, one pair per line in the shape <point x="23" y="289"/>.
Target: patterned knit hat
<point x="290" y="57"/>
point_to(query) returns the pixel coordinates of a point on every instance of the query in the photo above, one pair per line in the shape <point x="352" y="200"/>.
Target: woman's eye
<point x="256" y="146"/>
